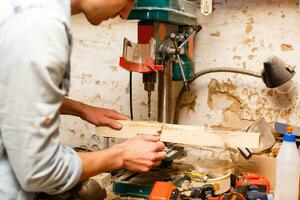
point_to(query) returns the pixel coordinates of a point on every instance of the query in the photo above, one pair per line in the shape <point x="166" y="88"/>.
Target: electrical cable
<point x="207" y="71"/>
<point x="130" y="95"/>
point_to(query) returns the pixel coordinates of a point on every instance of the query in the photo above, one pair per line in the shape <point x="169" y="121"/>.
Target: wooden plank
<point x="182" y="134"/>
<point x="130" y="129"/>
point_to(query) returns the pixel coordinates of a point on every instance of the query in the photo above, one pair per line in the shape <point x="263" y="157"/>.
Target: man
<point x="35" y="44"/>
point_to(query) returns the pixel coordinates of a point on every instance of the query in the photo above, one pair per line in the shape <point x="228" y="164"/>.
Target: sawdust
<point x="286" y="47"/>
<point x="216" y="34"/>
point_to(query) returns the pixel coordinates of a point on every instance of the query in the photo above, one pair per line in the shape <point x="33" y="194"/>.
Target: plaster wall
<point x="238" y="34"/>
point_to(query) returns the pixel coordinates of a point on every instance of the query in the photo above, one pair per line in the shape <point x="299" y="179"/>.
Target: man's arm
<point x="140" y="154"/>
<point x="94" y="115"/>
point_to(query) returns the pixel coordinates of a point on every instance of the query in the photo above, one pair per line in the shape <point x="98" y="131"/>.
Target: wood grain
<point x="182" y="134"/>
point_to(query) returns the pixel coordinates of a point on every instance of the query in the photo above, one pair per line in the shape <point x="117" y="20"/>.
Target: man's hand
<point x="142" y="153"/>
<point x="103" y="116"/>
<point x="139" y="154"/>
<point x="92" y="114"/>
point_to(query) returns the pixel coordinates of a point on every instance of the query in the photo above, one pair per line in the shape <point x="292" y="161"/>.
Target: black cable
<point x="130" y="95"/>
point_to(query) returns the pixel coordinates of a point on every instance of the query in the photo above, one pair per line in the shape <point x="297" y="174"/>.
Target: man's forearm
<point x="72" y="107"/>
<point x="92" y="114"/>
<point x="97" y="162"/>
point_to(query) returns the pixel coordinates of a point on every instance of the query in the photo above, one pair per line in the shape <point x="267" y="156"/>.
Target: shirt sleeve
<point x="34" y="50"/>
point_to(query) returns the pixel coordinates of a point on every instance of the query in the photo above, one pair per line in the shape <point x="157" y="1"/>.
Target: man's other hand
<point x="102" y="116"/>
<point x="142" y="153"/>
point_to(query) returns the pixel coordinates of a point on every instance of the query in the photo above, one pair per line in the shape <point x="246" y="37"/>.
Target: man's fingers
<point x="151" y="138"/>
<point x="159" y="146"/>
<point x="116" y="115"/>
<point x="157" y="163"/>
<point x="160" y="156"/>
<point x="112" y="123"/>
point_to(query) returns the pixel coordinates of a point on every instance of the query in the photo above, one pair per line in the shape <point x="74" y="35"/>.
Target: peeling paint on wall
<point x="240" y="109"/>
<point x="223" y="96"/>
<point x="189" y="100"/>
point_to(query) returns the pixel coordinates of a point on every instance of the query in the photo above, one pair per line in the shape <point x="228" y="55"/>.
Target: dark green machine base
<point x="132" y="190"/>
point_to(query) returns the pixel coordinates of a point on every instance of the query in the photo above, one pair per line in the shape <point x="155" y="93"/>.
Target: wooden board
<point x="182" y="134"/>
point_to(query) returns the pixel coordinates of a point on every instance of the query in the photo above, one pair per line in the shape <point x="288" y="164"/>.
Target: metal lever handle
<point x="195" y="31"/>
<point x="185" y="81"/>
<point x="177" y="49"/>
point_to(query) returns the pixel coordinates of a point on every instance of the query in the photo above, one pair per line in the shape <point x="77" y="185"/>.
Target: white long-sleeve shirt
<point x="34" y="53"/>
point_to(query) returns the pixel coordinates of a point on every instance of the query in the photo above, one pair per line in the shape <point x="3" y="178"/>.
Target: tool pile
<point x="194" y="185"/>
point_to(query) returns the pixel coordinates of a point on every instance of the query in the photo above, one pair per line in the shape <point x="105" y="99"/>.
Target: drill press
<point x="164" y="50"/>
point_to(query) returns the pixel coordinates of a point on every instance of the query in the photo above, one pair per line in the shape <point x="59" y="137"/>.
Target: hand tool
<point x="221" y="183"/>
<point x="203" y="192"/>
<point x="253" y="179"/>
<point x="252" y="192"/>
<point x="164" y="191"/>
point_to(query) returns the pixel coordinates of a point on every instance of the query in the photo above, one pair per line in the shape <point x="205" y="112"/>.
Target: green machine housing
<point x="160" y="18"/>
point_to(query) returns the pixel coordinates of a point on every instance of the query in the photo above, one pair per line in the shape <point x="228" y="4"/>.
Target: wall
<point x="238" y="34"/>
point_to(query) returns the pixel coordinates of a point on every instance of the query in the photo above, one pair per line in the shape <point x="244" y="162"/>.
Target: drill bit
<point x="149" y="104"/>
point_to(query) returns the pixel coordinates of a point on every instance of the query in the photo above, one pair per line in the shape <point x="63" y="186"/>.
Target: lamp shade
<point x="276" y="72"/>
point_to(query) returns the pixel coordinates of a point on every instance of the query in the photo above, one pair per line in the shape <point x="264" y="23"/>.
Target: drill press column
<point x="164" y="102"/>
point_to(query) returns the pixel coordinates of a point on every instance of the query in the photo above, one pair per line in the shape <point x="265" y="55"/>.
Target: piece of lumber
<point x="182" y="134"/>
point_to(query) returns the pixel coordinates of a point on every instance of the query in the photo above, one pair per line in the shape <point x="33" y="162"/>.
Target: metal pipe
<point x="164" y="104"/>
<point x="207" y="71"/>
